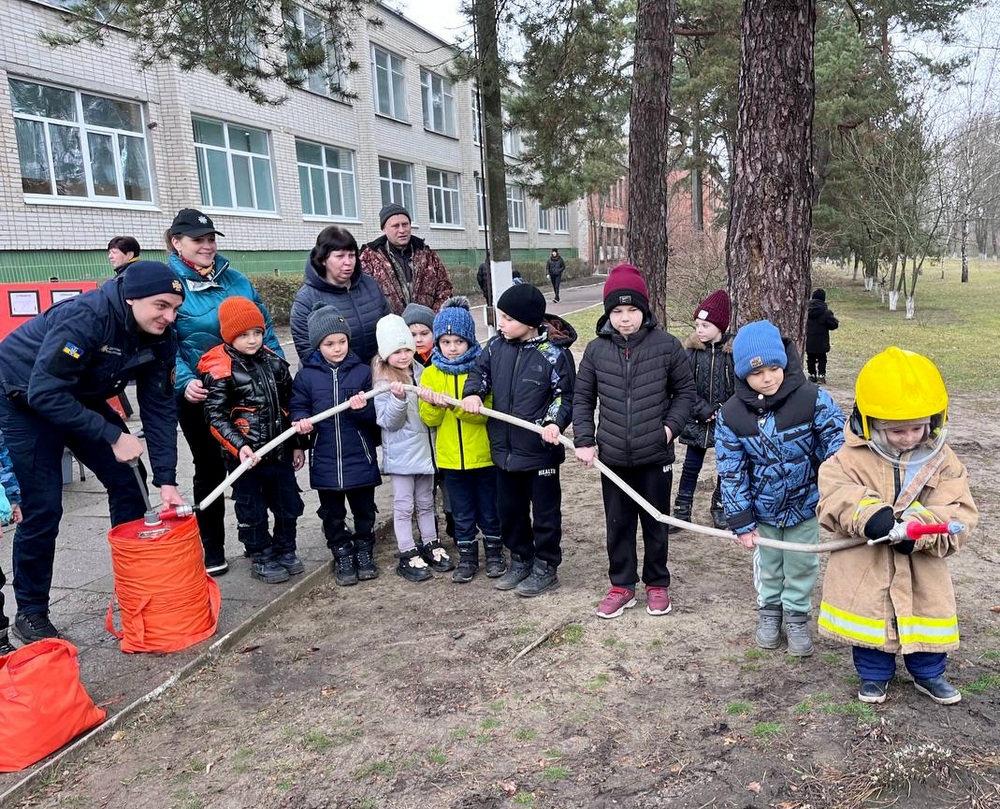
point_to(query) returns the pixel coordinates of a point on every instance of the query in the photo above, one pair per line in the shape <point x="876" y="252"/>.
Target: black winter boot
<point x="517" y="571"/>
<point x="364" y="557"/>
<point x="719" y="515"/>
<point x="412" y="567"/>
<point x="345" y="571"/>
<point x="542" y="579"/>
<point x="496" y="564"/>
<point x="263" y="567"/>
<point x="434" y="554"/>
<point x="468" y="563"/>
<point x="682" y="511"/>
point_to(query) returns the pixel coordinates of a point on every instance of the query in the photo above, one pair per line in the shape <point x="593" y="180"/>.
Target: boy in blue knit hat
<point x="771" y="437"/>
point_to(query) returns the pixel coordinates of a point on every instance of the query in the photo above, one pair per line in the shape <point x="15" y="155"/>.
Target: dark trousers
<point x="36" y="450"/>
<point x="556" y="282"/>
<point x="530" y="508"/>
<point x="816" y="364"/>
<point x="209" y="472"/>
<point x="473" y="495"/>
<point x="874" y="664"/>
<point x="267" y="486"/>
<point x="333" y="512"/>
<point x="694" y="460"/>
<point x="622" y="513"/>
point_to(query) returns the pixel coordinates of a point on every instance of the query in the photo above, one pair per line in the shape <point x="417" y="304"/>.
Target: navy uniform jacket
<point x="68" y="361"/>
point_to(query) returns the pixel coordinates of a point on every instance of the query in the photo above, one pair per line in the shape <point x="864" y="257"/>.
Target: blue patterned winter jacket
<point x="769" y="449"/>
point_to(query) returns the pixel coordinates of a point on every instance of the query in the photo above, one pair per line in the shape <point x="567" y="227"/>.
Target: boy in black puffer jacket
<point x="530" y="376"/>
<point x="249" y="388"/>
<point x="641" y="378"/>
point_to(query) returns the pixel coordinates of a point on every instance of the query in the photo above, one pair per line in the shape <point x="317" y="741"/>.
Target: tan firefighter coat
<point x="874" y="596"/>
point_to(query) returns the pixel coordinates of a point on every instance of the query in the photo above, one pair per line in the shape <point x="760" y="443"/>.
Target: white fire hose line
<point x="822" y="547"/>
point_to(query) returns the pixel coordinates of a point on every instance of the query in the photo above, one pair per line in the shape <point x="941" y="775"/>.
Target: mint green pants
<point x="787" y="577"/>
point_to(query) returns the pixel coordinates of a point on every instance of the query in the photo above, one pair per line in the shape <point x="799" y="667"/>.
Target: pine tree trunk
<point x="649" y="142"/>
<point x="767" y="246"/>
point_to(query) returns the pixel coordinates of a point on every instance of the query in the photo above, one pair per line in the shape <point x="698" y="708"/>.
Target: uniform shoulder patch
<point x="72" y="350"/>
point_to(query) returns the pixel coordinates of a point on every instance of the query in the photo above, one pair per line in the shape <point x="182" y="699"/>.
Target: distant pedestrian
<point x="819" y="324"/>
<point x="483" y="279"/>
<point x="555" y="267"/>
<point x="122" y="251"/>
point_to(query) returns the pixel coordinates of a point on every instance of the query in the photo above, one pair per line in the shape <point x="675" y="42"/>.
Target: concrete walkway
<point x="83" y="581"/>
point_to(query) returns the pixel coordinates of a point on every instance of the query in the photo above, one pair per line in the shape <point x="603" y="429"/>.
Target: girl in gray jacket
<point x="407" y="453"/>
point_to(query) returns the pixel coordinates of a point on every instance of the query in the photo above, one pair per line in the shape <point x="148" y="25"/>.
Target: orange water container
<point x="166" y="600"/>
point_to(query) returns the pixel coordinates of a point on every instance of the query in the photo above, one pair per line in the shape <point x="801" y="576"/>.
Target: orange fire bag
<point x="166" y="600"/>
<point x="43" y="704"/>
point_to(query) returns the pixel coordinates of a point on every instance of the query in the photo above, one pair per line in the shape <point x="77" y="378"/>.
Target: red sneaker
<point x="657" y="600"/>
<point x="616" y="602"/>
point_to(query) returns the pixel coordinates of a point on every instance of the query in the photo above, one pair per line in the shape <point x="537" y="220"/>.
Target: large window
<point x="481" y="202"/>
<point x="438" y="102"/>
<point x="234" y="166"/>
<point x="390" y="83"/>
<point x="511" y="142"/>
<point x="562" y="219"/>
<point x="329" y="77"/>
<point x="515" y="207"/>
<point x="73" y="144"/>
<point x="477" y="118"/>
<point x="443" y="201"/>
<point x="543" y="220"/>
<point x="396" y="182"/>
<point x="326" y="180"/>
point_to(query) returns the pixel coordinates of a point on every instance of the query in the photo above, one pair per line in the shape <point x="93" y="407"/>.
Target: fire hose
<point x="645" y="505"/>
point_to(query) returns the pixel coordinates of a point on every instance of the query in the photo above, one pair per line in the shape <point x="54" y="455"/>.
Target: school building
<point x="92" y="147"/>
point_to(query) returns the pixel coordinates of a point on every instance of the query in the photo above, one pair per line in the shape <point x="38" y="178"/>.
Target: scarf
<point x="459" y="365"/>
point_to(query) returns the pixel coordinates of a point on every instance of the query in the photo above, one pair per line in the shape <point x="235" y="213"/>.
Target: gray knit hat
<point x="391" y="210"/>
<point x="326" y="319"/>
<point x="418" y="313"/>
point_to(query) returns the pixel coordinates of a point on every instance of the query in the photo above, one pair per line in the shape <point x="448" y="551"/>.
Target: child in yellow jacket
<point x="895" y="468"/>
<point x="463" y="447"/>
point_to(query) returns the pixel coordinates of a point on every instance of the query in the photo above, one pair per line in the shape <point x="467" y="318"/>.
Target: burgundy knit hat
<point x="625" y="287"/>
<point x="715" y="309"/>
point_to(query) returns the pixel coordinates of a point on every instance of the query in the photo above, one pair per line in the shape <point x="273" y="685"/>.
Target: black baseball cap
<point x="192" y="222"/>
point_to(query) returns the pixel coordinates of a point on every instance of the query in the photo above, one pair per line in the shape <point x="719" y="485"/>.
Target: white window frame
<point x="481" y="215"/>
<point x="84" y="133"/>
<point x="400" y="188"/>
<point x="438" y="101"/>
<point x="330" y="79"/>
<point x="511" y="142"/>
<point x="562" y="219"/>
<point x="444" y="199"/>
<point x="327" y="176"/>
<point x="543" y="220"/>
<point x="233" y="157"/>
<point x="516" y="209"/>
<point x="394" y="72"/>
<point x="477" y="118"/>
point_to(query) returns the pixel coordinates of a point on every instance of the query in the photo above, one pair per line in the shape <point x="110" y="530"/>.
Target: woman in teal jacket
<point x="208" y="280"/>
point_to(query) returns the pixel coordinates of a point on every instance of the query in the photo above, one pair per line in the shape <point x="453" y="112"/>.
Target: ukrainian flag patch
<point x="73" y="350"/>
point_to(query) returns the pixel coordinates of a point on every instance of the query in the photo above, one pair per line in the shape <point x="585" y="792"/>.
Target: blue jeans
<point x="473" y="495"/>
<point x="36" y="448"/>
<point x="267" y="486"/>
<point x="874" y="664"/>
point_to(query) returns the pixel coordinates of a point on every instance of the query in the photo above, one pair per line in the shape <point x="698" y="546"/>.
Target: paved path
<point x="83" y="581"/>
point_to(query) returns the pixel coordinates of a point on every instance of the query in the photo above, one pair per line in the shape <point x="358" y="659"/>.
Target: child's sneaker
<point x="434" y="554"/>
<point x="616" y="602"/>
<point x="290" y="562"/>
<point x="873" y="691"/>
<point x="412" y="567"/>
<point x="769" y="626"/>
<point x="939" y="690"/>
<point x="658" y="601"/>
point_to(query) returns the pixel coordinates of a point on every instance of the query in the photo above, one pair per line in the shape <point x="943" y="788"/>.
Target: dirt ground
<point x="392" y="695"/>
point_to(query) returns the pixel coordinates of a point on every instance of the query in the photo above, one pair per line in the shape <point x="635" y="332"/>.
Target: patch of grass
<point x="285" y="784"/>
<point x="459" y="733"/>
<point x="365" y="803"/>
<point x="316" y="741"/>
<point x="991" y="655"/>
<point x="436" y="756"/>
<point x="483" y="738"/>
<point x="525" y="734"/>
<point x="570" y="635"/>
<point x="752" y="667"/>
<point x="524" y="630"/>
<point x="555" y="773"/>
<point x="489" y="723"/>
<point x="987" y="682"/>
<point x="613" y="643"/>
<point x="598" y="682"/>
<point x="497" y="705"/>
<point x="373" y="769"/>
<point x="859" y="710"/>
<point x="739" y="708"/>
<point x="767" y="731"/>
<point x="185" y="800"/>
<point x="242" y="760"/>
<point x="553" y="754"/>
<point x="656" y="645"/>
<point x="830" y="658"/>
<point x="523" y="799"/>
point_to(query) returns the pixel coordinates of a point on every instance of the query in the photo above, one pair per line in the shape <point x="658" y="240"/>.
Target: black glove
<point x="880" y="523"/>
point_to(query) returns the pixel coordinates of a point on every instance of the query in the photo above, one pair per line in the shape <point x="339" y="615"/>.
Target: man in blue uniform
<point x="57" y="372"/>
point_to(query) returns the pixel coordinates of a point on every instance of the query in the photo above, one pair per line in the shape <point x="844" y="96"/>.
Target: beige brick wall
<point x="170" y="98"/>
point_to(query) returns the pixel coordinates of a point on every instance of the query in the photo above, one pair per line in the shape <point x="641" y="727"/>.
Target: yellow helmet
<point x="899" y="385"/>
